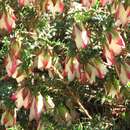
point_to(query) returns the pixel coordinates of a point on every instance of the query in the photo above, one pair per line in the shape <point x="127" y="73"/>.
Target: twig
<point x="85" y="111"/>
<point x="73" y="95"/>
<point x="56" y="71"/>
<point x="80" y="104"/>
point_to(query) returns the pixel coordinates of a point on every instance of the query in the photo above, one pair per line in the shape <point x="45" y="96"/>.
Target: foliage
<point x="64" y="64"/>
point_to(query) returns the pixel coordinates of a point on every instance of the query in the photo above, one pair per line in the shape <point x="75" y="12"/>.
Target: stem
<point x="80" y="104"/>
<point x="117" y="70"/>
<point x="56" y="71"/>
<point x="85" y="111"/>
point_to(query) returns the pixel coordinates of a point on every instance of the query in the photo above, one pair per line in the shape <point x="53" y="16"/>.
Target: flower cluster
<point x="7" y="20"/>
<point x="81" y="37"/>
<point x="113" y="47"/>
<point x="84" y="73"/>
<point x="36" y="104"/>
<point x="8" y="118"/>
<point x="13" y="62"/>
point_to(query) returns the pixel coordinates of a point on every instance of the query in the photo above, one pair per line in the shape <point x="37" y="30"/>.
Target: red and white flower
<point x="81" y="37"/>
<point x="122" y="15"/>
<point x="25" y="2"/>
<point x="22" y="98"/>
<point x="100" y="68"/>
<point x="96" y="69"/>
<point x="8" y="118"/>
<point x="72" y="69"/>
<point x="7" y="20"/>
<point x="36" y="107"/>
<point x="13" y="62"/>
<point x="88" y="3"/>
<point x="54" y="6"/>
<point x="124" y="73"/>
<point x="113" y="47"/>
<point x="116" y="42"/>
<point x="84" y="77"/>
<point x="104" y="2"/>
<point x="44" y="60"/>
<point x="108" y="54"/>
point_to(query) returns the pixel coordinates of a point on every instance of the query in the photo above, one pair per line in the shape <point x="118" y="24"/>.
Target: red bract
<point x="84" y="77"/>
<point x="113" y="47"/>
<point x="122" y="15"/>
<point x="25" y="2"/>
<point x="36" y="107"/>
<point x="13" y="97"/>
<point x="96" y="69"/>
<point x="23" y="98"/>
<point x="80" y="36"/>
<point x="108" y="54"/>
<point x="27" y="100"/>
<point x="124" y="73"/>
<point x="104" y="2"/>
<point x="54" y="6"/>
<point x="88" y="3"/>
<point x="44" y="60"/>
<point x="72" y="68"/>
<point x="8" y="118"/>
<point x="21" y="2"/>
<point x="116" y="42"/>
<point x="12" y="64"/>
<point x="7" y="20"/>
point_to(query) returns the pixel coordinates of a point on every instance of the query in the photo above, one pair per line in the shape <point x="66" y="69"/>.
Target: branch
<point x="57" y="72"/>
<point x="80" y="104"/>
<point x="85" y="111"/>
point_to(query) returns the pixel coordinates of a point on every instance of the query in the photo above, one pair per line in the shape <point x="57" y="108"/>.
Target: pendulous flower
<point x="72" y="68"/>
<point x="81" y="37"/>
<point x="7" y="20"/>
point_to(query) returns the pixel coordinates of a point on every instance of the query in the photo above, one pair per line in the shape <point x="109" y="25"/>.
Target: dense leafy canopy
<point x="63" y="63"/>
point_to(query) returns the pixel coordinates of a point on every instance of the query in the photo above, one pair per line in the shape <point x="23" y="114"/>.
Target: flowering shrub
<point x="58" y="57"/>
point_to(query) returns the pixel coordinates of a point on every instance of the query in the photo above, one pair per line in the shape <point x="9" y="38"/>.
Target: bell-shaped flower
<point x="72" y="68"/>
<point x="20" y="75"/>
<point x="104" y="2"/>
<point x="25" y="2"/>
<point x="53" y="6"/>
<point x="101" y="69"/>
<point x="84" y="76"/>
<point x="88" y="3"/>
<point x="122" y="15"/>
<point x="96" y="69"/>
<point x="36" y="107"/>
<point x="22" y="98"/>
<point x="112" y="89"/>
<point x="124" y="73"/>
<point x="19" y="98"/>
<point x="27" y="99"/>
<point x="81" y="37"/>
<point x="12" y="61"/>
<point x="8" y="118"/>
<point x="7" y="20"/>
<point x="113" y="47"/>
<point x="12" y="64"/>
<point x="44" y="60"/>
<point x="116" y="42"/>
<point x="108" y="54"/>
